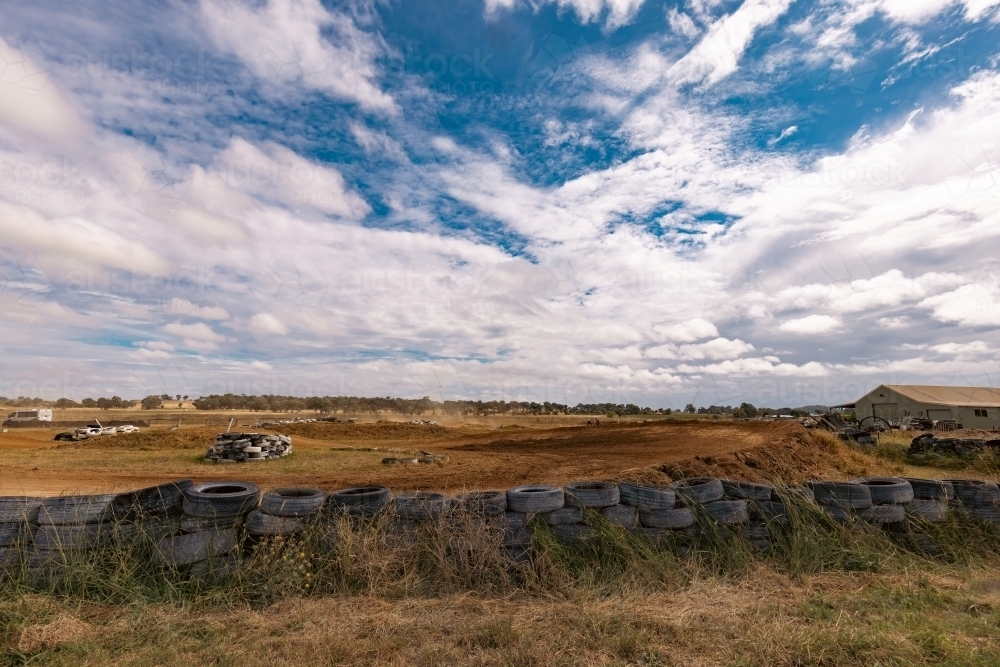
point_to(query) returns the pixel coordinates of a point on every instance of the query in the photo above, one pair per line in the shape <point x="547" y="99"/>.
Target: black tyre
<point x="840" y="514"/>
<point x="562" y="516"/>
<point x="736" y="489"/>
<point x="483" y="503"/>
<point x="756" y="530"/>
<point x="218" y="499"/>
<point x="883" y="514"/>
<point x="934" y="510"/>
<point x="887" y="490"/>
<point x="516" y="533"/>
<point x="989" y="513"/>
<point x="195" y="547"/>
<point x="931" y="489"/>
<point x="842" y="494"/>
<point x="421" y="505"/>
<point x="623" y="515"/>
<point x="646" y="497"/>
<point x="74" y="510"/>
<point x="728" y="511"/>
<point x="360" y="500"/>
<point x="71" y="537"/>
<point x="11" y="533"/>
<point x="795" y="492"/>
<point x="190" y="523"/>
<point x="19" y="508"/>
<point x="292" y="502"/>
<point x="592" y="494"/>
<point x="573" y="533"/>
<point x="531" y="499"/>
<point x="699" y="489"/>
<point x="974" y="493"/>
<point x="769" y="511"/>
<point x="673" y="519"/>
<point x="261" y="524"/>
<point x="160" y="499"/>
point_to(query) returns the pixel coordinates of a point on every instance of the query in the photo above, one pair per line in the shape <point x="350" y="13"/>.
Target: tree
<point x="152" y="402"/>
<point x="164" y="397"/>
<point x="64" y="403"/>
<point x="88" y="403"/>
<point x="103" y="403"/>
<point x="689" y="408"/>
<point x="749" y="409"/>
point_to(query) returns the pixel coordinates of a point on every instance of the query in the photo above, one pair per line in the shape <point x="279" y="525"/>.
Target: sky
<point x="580" y="201"/>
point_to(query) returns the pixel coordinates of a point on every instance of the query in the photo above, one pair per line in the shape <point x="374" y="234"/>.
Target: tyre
<point x="592" y="494"/>
<point x="483" y="503"/>
<point x="800" y="492"/>
<point x="673" y="519"/>
<point x="156" y="528"/>
<point x="736" y="489"/>
<point x="360" y="500"/>
<point x="887" y="490"/>
<point x="883" y="514"/>
<point x="196" y="524"/>
<point x="292" y="502"/>
<point x="516" y="533"/>
<point x="974" y="493"/>
<point x="929" y="509"/>
<point x="656" y="536"/>
<point x="931" y="489"/>
<point x="11" y="533"/>
<point x="73" y="510"/>
<point x="842" y="494"/>
<point x="839" y="514"/>
<point x="531" y="499"/>
<point x="646" y="497"/>
<point x="769" y="511"/>
<point x="19" y="508"/>
<point x="261" y="524"/>
<point x="699" y="489"/>
<point x="214" y="568"/>
<point x="161" y="499"/>
<point x="194" y="547"/>
<point x="71" y="537"/>
<point x="989" y="513"/>
<point x="728" y="511"/>
<point x="10" y="558"/>
<point x="756" y="530"/>
<point x="562" y="516"/>
<point x="421" y="505"/>
<point x="623" y="515"/>
<point x="218" y="499"/>
<point x="573" y="532"/>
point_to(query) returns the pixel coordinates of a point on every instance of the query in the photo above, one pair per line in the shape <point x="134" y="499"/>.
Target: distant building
<point x="972" y="407"/>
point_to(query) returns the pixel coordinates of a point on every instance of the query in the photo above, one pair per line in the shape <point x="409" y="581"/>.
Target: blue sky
<point x="578" y="201"/>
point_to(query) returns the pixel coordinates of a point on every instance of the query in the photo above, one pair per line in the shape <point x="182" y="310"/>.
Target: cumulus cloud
<point x="184" y="307"/>
<point x="198" y="336"/>
<point x="267" y="324"/>
<point x="286" y="43"/>
<point x="811" y="325"/>
<point x="688" y="331"/>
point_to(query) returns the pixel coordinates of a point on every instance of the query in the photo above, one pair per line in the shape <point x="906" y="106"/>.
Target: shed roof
<point x="988" y="397"/>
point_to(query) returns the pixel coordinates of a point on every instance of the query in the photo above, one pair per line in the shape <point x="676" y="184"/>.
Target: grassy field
<point x="824" y="596"/>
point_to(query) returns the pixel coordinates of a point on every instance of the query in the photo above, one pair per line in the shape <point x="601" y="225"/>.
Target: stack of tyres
<point x="841" y="500"/>
<point x="930" y="499"/>
<point x="764" y="510"/>
<point x="69" y="529"/>
<point x="413" y="510"/>
<point x="523" y="503"/>
<point x="708" y="495"/>
<point x="284" y="511"/>
<point x="356" y="504"/>
<point x="230" y="447"/>
<point x="978" y="499"/>
<point x="570" y="523"/>
<point x="18" y="521"/>
<point x="211" y="525"/>
<point x="477" y="524"/>
<point x="152" y="513"/>
<point x="659" y="514"/>
<point x="890" y="496"/>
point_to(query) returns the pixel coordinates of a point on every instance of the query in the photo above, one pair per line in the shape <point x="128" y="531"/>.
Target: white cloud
<point x="688" y="331"/>
<point x="682" y="24"/>
<point x="198" y="336"/>
<point x="30" y="103"/>
<point x="891" y="288"/>
<point x="812" y="324"/>
<point x="719" y="348"/>
<point x="718" y="53"/>
<point x="974" y="305"/>
<point x="267" y="324"/>
<point x="973" y="349"/>
<point x="618" y="12"/>
<point x="284" y="42"/>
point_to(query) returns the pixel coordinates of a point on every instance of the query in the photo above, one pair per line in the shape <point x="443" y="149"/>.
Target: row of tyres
<point x="197" y="528"/>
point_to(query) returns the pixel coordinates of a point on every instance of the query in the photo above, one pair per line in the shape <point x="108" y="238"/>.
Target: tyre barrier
<point x="197" y="530"/>
<point x="239" y="447"/>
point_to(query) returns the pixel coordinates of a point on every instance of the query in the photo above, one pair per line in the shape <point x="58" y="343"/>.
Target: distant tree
<point x="88" y="403"/>
<point x="749" y="409"/>
<point x="668" y="411"/>
<point x="103" y="403"/>
<point x="185" y="398"/>
<point x="689" y="408"/>
<point x="152" y="402"/>
<point x="64" y="403"/>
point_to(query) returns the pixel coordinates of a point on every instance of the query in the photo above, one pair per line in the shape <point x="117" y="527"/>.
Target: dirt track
<point x="336" y="455"/>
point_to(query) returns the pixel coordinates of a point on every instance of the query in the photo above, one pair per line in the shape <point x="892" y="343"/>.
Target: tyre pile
<point x="248" y="447"/>
<point x="198" y="530"/>
<point x="925" y="443"/>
